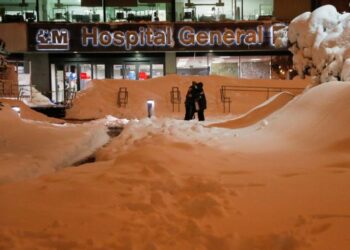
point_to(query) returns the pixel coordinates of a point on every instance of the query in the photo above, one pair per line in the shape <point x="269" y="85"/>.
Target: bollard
<point x="150" y="108"/>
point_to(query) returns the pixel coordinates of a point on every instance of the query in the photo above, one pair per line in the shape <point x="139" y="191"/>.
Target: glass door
<point x="144" y="71"/>
<point x="138" y="71"/>
<point x="99" y="71"/>
<point x="57" y="83"/>
<point x="71" y="77"/>
<point x="130" y="72"/>
<point x="157" y="70"/>
<point x="117" y="71"/>
<point x="84" y="75"/>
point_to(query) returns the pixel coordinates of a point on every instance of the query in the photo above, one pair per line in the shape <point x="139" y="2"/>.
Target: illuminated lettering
<point x="59" y="36"/>
<point x="87" y="36"/>
<point x="260" y="34"/>
<point x="105" y="38"/>
<point x="239" y="34"/>
<point x="162" y="36"/>
<point x="202" y="38"/>
<point x="216" y="35"/>
<point x="159" y="38"/>
<point x="118" y="38"/>
<point x="251" y="37"/>
<point x="131" y="38"/>
<point x="54" y="39"/>
<point x="186" y="36"/>
<point x="229" y="37"/>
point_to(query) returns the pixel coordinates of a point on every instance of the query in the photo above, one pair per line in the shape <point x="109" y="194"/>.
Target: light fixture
<point x="150" y="108"/>
<point x="17" y="110"/>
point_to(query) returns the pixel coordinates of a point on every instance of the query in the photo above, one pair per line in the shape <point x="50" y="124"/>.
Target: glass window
<point x="197" y="65"/>
<point x="254" y="9"/>
<point x="224" y="65"/>
<point x="219" y="10"/>
<point x="134" y="11"/>
<point x="282" y="68"/>
<point x="18" y="10"/>
<point x="99" y="71"/>
<point x="144" y="71"/>
<point x="117" y="71"/>
<point x="130" y="72"/>
<point x="71" y="10"/>
<point x="255" y="67"/>
<point x="85" y="75"/>
<point x="157" y="70"/>
<point x="57" y="83"/>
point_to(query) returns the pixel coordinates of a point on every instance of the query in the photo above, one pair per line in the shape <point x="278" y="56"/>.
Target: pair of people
<point x="195" y="101"/>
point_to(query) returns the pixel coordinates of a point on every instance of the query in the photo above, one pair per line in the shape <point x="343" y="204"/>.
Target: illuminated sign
<point x="145" y="36"/>
<point x="151" y="36"/>
<point x="52" y="39"/>
<point x="187" y="36"/>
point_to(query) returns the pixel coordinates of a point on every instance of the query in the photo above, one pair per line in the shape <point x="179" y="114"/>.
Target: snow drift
<point x="173" y="184"/>
<point x="258" y="113"/>
<point x="30" y="148"/>
<point x="320" y="44"/>
<point x="30" y="114"/>
<point x="100" y="99"/>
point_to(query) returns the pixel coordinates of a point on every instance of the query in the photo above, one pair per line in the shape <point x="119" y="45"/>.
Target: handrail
<point x="175" y="98"/>
<point x="227" y="99"/>
<point x="123" y="96"/>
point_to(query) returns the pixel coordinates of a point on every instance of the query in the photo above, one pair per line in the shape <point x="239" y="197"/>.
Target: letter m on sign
<point x="55" y="39"/>
<point x="59" y="36"/>
<point x="60" y="39"/>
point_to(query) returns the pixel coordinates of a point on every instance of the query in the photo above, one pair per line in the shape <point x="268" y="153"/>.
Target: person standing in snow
<point x="189" y="102"/>
<point x="195" y="101"/>
<point x="200" y="102"/>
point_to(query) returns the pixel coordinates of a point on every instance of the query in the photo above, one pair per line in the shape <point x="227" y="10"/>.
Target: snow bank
<point x="100" y="99"/>
<point x="320" y="44"/>
<point x="167" y="184"/>
<point x="29" y="148"/>
<point x="37" y="98"/>
<point x="30" y="114"/>
<point x="258" y="113"/>
<point x="316" y="119"/>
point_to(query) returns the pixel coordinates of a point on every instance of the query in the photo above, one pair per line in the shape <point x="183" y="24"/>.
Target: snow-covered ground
<point x="33" y="146"/>
<point x="274" y="177"/>
<point x="100" y="99"/>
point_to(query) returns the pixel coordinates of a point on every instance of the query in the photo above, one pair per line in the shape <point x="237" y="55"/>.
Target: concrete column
<point x="40" y="71"/>
<point x="170" y="63"/>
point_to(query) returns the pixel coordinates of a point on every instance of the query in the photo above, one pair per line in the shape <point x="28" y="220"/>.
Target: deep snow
<point x="164" y="183"/>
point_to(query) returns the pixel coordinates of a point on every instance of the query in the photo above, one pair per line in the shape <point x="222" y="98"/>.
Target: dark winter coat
<point x="199" y="98"/>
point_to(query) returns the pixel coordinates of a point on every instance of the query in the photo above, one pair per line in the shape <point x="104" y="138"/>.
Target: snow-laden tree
<point x="320" y="43"/>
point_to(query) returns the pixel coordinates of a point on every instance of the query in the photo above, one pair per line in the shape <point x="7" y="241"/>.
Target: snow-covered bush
<point x="321" y="44"/>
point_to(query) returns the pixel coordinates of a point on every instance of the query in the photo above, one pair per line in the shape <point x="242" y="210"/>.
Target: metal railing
<point x="9" y="89"/>
<point x="175" y="98"/>
<point x="122" y="97"/>
<point x="70" y="95"/>
<point x="226" y="99"/>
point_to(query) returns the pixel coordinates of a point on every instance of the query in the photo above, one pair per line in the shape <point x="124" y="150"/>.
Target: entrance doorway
<point x="137" y="70"/>
<point x="68" y="78"/>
